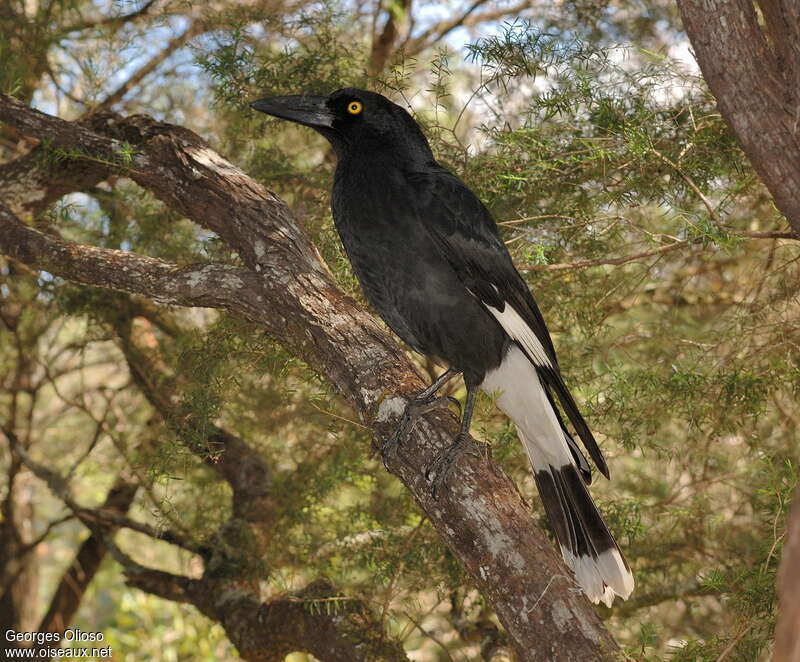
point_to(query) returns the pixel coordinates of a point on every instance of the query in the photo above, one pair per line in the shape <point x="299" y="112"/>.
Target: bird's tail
<point x="586" y="543"/>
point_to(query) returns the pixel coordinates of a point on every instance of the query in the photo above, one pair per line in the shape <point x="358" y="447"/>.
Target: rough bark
<point x="289" y="292"/>
<point x="753" y="69"/>
<point x="787" y="632"/>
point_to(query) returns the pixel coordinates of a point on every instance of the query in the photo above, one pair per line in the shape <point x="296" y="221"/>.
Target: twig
<point x="735" y="641"/>
<point x="108" y="20"/>
<point x="91" y="517"/>
<point x="430" y="635"/>
<point x="582" y="264"/>
<point x="661" y="250"/>
<point x="151" y="65"/>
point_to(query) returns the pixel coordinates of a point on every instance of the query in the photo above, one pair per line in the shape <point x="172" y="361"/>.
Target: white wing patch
<point x="518" y="329"/>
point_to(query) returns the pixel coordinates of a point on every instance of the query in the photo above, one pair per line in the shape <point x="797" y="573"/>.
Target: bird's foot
<point x="441" y="467"/>
<point x="415" y="408"/>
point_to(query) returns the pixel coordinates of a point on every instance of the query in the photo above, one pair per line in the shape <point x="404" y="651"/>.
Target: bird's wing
<point x="467" y="236"/>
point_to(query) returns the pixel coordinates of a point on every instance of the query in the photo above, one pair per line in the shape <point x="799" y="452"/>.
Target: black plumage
<point x="431" y="262"/>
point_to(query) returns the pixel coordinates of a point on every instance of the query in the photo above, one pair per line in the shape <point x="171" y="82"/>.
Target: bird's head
<point x="353" y="120"/>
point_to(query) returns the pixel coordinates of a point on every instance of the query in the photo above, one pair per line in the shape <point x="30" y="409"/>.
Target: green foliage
<point x="625" y="200"/>
<point x="51" y="157"/>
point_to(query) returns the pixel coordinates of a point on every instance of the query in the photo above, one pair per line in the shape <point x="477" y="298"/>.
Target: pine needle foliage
<point x="642" y="231"/>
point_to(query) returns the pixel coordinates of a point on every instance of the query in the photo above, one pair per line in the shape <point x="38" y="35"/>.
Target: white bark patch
<point x="390" y="408"/>
<point x="232" y="282"/>
<point x="369" y="396"/>
<point x="589" y="630"/>
<point x="498" y="544"/>
<point x="260" y="249"/>
<point x="562" y="616"/>
<point x="209" y="275"/>
<point x="213" y="161"/>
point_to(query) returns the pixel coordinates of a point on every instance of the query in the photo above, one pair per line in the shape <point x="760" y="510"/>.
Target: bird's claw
<point x="441" y="467"/>
<point x="413" y="411"/>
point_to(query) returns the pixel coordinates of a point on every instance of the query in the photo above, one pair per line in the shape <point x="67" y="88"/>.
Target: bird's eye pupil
<point x="354" y="107"/>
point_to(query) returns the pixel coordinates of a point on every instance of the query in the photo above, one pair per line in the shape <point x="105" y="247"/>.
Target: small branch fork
<point x="285" y="289"/>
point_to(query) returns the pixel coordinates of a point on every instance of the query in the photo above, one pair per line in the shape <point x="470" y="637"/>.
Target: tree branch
<point x="208" y="285"/>
<point x="318" y="619"/>
<point x="468" y="18"/>
<point x="94" y="519"/>
<point x="661" y="250"/>
<point x="28" y="188"/>
<point x="115" y="21"/>
<point x="383" y="44"/>
<point x="76" y="579"/>
<point x="232" y="458"/>
<point x="482" y="516"/>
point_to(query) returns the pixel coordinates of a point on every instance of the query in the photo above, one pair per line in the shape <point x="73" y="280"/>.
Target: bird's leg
<point x="463" y="443"/>
<point x="420" y="404"/>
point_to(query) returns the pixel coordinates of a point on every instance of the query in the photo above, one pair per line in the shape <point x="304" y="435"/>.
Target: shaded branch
<point x="318" y="620"/>
<point x="233" y="459"/>
<point x="661" y="250"/>
<point x="94" y="519"/>
<point x="656" y="597"/>
<point x="166" y="585"/>
<point x="28" y="188"/>
<point x="583" y="264"/>
<point x="468" y="18"/>
<point x="383" y="44"/>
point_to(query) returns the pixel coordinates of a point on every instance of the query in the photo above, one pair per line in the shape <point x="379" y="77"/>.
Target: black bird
<point x="431" y="262"/>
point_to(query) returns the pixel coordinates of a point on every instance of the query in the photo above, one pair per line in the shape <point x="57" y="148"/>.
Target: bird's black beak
<point x="303" y="109"/>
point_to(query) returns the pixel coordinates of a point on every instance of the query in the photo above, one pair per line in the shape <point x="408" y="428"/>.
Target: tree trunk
<point x="750" y="58"/>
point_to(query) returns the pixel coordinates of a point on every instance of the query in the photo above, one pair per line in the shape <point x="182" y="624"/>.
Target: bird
<point x="430" y="260"/>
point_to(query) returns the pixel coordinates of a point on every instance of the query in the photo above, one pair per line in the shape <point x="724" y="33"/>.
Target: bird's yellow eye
<point x="354" y="107"/>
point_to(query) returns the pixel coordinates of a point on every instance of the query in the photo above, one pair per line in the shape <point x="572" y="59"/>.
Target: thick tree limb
<point x="482" y="516"/>
<point x="316" y="620"/>
<point x="754" y="72"/>
<point x="209" y="285"/>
